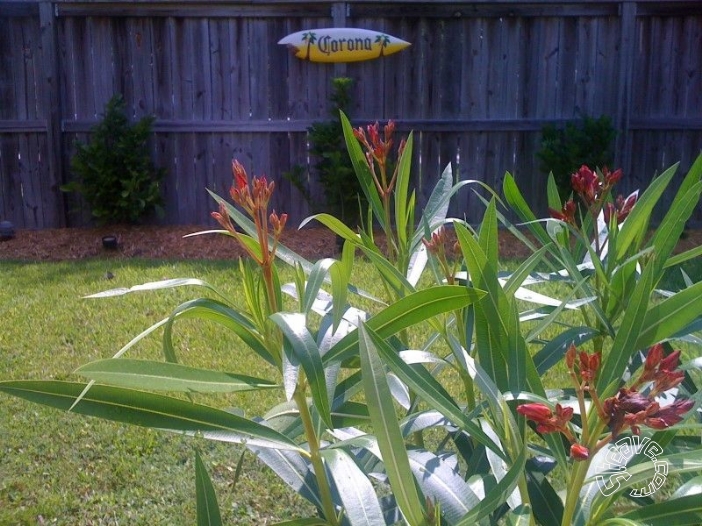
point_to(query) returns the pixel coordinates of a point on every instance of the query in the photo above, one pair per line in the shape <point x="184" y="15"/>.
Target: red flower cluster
<point x="585" y="368"/>
<point x="546" y="420"/>
<point x="629" y="408"/>
<point x="376" y="147"/>
<point x="593" y="190"/>
<point x="588" y="185"/>
<point x="620" y="209"/>
<point x="378" y="151"/>
<point x="253" y="196"/>
<point x="549" y="422"/>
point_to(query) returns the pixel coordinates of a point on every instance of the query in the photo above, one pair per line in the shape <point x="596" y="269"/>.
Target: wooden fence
<point x="477" y="85"/>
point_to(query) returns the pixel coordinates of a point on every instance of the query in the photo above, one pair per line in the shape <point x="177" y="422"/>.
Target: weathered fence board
<point x="477" y="85"/>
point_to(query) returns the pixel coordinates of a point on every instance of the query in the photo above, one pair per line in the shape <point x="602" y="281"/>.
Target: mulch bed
<point x="168" y="242"/>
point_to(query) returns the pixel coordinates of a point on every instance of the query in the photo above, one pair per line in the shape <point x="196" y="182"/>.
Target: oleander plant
<point x="558" y="390"/>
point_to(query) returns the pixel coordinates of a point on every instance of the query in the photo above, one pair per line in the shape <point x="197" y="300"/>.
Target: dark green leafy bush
<point x="586" y="142"/>
<point x="333" y="166"/>
<point x="114" y="171"/>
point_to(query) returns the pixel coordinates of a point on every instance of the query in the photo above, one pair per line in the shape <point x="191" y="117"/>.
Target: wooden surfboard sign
<point x="342" y="44"/>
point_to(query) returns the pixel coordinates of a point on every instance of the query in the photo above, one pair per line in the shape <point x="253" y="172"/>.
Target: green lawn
<point x="73" y="470"/>
<point x="64" y="469"/>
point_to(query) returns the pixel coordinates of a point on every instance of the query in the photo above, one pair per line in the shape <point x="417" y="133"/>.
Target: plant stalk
<point x="316" y="459"/>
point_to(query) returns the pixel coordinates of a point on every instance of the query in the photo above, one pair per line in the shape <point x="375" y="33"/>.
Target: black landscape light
<point x="7" y="231"/>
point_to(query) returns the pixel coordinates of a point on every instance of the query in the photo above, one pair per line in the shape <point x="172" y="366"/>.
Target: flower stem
<point x="575" y="484"/>
<point x="316" y="459"/>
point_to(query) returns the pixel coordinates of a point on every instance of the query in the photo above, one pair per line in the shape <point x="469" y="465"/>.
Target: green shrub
<point x="585" y="142"/>
<point x="333" y="166"/>
<point x="114" y="172"/>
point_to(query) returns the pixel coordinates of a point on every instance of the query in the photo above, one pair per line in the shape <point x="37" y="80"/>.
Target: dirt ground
<point x="163" y="242"/>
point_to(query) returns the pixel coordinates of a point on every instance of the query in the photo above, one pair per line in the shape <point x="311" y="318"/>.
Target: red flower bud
<point x="241" y="179"/>
<point x="609" y="211"/>
<point x="653" y="358"/>
<point x="670" y="362"/>
<point x="570" y="356"/>
<point x="567" y="214"/>
<point x="669" y="415"/>
<point x="611" y="178"/>
<point x="536" y="412"/>
<point x="579" y="452"/>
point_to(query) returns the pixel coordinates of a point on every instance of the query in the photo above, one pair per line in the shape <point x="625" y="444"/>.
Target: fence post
<point x="339" y="13"/>
<point x="627" y="51"/>
<point x="51" y="101"/>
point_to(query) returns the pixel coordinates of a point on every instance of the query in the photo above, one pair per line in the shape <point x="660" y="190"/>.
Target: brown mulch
<point x="168" y="242"/>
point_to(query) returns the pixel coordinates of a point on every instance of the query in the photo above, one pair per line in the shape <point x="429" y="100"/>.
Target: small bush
<point x="114" y="172"/>
<point x="333" y="166"/>
<point x="585" y="142"/>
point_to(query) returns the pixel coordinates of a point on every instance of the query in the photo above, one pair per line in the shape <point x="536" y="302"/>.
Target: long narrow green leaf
<point x="293" y="470"/>
<point x="497" y="495"/>
<point x="636" y="225"/>
<point x="387" y="431"/>
<point x="412" y="309"/>
<point x="207" y="505"/>
<point x="442" y="484"/>
<point x="430" y="390"/>
<point x="683" y="257"/>
<point x="402" y="184"/>
<point x="220" y="313"/>
<point x="680" y="511"/>
<point x="355" y="489"/>
<point x="670" y="316"/>
<point x="316" y="278"/>
<point x="435" y="210"/>
<point x="491" y="312"/>
<point x="625" y="342"/>
<point x="488" y="235"/>
<point x="669" y="231"/>
<point x="164" y="376"/>
<point x="547" y="505"/>
<point x="335" y="225"/>
<point x="518" y="204"/>
<point x="360" y="167"/>
<point x="144" y="409"/>
<point x="158" y="285"/>
<point x="305" y="348"/>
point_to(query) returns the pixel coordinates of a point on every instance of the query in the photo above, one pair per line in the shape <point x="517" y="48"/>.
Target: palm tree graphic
<point x="310" y="37"/>
<point x="383" y="40"/>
